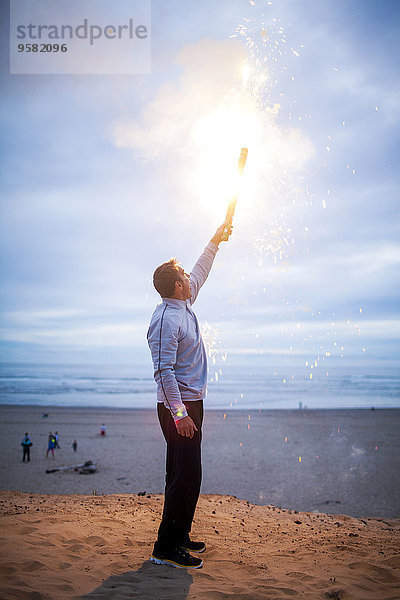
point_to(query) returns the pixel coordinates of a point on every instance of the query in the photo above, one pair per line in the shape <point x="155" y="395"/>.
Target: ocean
<point x="240" y="383"/>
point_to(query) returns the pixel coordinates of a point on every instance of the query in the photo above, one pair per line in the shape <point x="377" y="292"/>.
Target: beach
<point x="335" y="461"/>
<point x="293" y="504"/>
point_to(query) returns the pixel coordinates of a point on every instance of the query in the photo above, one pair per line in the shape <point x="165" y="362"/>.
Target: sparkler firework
<point x="232" y="204"/>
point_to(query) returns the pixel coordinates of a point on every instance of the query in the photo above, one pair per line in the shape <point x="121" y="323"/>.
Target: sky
<point x="104" y="177"/>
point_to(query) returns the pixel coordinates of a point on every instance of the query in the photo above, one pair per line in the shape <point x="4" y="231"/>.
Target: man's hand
<point x="186" y="427"/>
<point x="217" y="238"/>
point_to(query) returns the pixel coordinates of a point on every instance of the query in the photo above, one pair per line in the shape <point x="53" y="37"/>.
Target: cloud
<point x="208" y="74"/>
<point x="129" y="334"/>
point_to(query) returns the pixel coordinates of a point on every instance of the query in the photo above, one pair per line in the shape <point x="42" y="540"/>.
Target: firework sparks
<point x="247" y="117"/>
<point x="214" y="349"/>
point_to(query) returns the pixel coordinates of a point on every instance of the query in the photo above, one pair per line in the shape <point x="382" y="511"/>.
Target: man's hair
<point x="165" y="276"/>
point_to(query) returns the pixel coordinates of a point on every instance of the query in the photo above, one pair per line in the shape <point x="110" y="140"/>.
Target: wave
<point x="35" y="383"/>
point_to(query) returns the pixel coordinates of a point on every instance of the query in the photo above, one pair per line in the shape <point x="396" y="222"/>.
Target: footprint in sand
<point x="32" y="565"/>
<point x="27" y="530"/>
<point x="64" y="565"/>
<point x="33" y="595"/>
<point x="77" y="545"/>
<point x="375" y="573"/>
<point x="287" y="591"/>
<point x="393" y="561"/>
<point x="7" y="569"/>
<point x="68" y="542"/>
<point x="94" y="540"/>
<point x="63" y="587"/>
<point x="301" y="576"/>
<point x="75" y="549"/>
<point x="130" y="542"/>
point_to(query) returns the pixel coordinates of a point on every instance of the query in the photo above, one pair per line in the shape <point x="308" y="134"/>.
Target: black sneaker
<point x="176" y="558"/>
<point x="190" y="546"/>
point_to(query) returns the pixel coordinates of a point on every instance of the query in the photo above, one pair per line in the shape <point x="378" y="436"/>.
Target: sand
<point x="61" y="538"/>
<point x="350" y="459"/>
<point x="62" y="547"/>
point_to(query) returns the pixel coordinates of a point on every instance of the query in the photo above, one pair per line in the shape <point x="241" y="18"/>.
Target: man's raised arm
<point x="203" y="265"/>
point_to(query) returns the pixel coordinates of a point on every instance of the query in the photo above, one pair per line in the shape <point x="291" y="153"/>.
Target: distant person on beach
<point x="51" y="445"/>
<point x="180" y="370"/>
<point x="56" y="440"/>
<point x="26" y="448"/>
<point x="75" y="445"/>
<point x="103" y="430"/>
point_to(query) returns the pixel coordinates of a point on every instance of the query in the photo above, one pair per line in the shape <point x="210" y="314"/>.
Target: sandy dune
<point x="62" y="547"/>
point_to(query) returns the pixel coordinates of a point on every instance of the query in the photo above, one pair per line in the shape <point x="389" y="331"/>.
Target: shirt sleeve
<point x="163" y="341"/>
<point x="201" y="269"/>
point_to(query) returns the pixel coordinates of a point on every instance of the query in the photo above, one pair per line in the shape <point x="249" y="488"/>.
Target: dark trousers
<point x="26" y="452"/>
<point x="183" y="477"/>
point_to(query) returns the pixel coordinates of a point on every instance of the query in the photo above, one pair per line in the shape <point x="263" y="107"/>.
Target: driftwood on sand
<point x="85" y="468"/>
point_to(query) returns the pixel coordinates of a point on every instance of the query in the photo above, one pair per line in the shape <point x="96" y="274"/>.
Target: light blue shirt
<point x="177" y="349"/>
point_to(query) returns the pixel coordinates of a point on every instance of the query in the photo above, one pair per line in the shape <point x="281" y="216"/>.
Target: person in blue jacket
<point x="26" y="448"/>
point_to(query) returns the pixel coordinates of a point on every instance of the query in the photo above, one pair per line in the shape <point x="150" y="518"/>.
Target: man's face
<point x="184" y="279"/>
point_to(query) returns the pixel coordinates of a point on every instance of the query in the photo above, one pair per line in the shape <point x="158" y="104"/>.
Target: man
<point x="26" y="448"/>
<point x="180" y="370"/>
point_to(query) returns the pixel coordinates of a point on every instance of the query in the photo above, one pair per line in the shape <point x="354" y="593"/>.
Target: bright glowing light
<point x="216" y="139"/>
<point x="220" y="103"/>
<point x="219" y="136"/>
<point x="247" y="117"/>
<point x="245" y="73"/>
